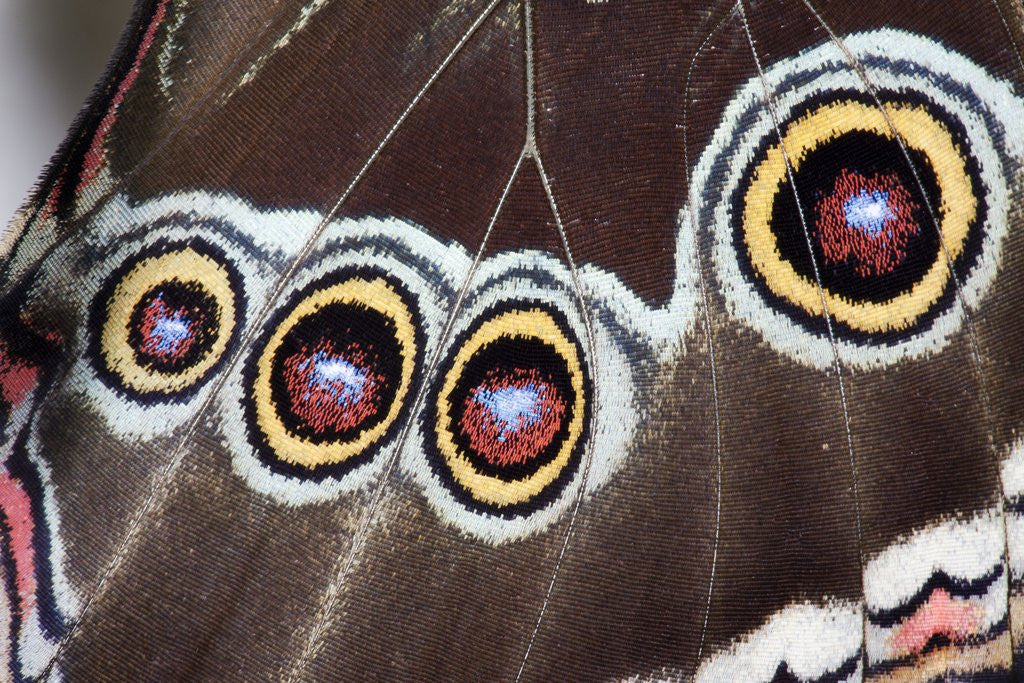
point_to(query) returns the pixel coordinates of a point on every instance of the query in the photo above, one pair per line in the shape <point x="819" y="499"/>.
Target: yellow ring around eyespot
<point x="374" y="294"/>
<point x="186" y="265"/>
<point x="958" y="208"/>
<point x="524" y="324"/>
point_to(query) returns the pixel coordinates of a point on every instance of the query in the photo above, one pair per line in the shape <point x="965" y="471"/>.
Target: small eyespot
<point x="333" y="374"/>
<point x="863" y="213"/>
<point x="512" y="410"/>
<point x="151" y="299"/>
<point x="164" y="319"/>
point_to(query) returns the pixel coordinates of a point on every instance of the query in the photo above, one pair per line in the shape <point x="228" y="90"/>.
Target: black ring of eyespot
<point x="480" y="350"/>
<point x="392" y="353"/>
<point x="819" y="167"/>
<point x="145" y="376"/>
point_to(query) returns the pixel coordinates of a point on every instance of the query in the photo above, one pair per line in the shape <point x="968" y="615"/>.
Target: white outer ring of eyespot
<point x="824" y="69"/>
<point x="614" y="415"/>
<point x="124" y="416"/>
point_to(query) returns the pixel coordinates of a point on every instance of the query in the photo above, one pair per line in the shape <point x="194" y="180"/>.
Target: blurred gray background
<point x="52" y="53"/>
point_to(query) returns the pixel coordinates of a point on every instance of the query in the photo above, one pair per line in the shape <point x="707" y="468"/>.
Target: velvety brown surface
<point x="820" y="470"/>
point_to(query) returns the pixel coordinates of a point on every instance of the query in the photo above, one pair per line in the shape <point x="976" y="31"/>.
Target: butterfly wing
<point x="526" y="341"/>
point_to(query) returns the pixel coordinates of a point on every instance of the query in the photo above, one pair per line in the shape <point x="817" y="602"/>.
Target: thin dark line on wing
<point x="960" y="587"/>
<point x="534" y="152"/>
<point x="837" y="363"/>
<point x="165" y="475"/>
<point x="694" y="225"/>
<point x="329" y="602"/>
<point x="976" y="356"/>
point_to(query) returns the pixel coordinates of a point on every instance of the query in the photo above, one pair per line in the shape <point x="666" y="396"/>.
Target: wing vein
<point x="164" y="478"/>
<point x="691" y="191"/>
<point x="837" y="362"/>
<point x="333" y="592"/>
<point x="531" y="145"/>
<point x="975" y="345"/>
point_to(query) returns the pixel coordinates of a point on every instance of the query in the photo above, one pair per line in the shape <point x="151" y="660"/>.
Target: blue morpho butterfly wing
<point x="524" y="340"/>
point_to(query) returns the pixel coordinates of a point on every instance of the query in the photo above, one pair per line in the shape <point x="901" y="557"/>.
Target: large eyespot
<point x="333" y="374"/>
<point x="882" y="265"/>
<point x="512" y="410"/>
<point x="882" y="208"/>
<point x="164" y="320"/>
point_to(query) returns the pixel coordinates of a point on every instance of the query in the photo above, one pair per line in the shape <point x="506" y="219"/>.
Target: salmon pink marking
<point x="941" y="614"/>
<point x="96" y="156"/>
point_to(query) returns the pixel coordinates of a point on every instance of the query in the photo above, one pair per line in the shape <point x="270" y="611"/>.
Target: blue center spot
<point x="868" y="211"/>
<point x="342" y="380"/>
<point x="512" y="407"/>
<point x="169" y="332"/>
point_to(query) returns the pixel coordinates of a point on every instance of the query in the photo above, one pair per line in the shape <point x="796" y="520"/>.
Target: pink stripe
<point x="14" y="502"/>
<point x="97" y="154"/>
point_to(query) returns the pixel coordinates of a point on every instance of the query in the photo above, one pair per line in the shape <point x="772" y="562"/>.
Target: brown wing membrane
<point x="524" y="340"/>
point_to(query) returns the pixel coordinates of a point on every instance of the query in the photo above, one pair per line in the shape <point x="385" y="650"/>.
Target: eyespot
<point x="400" y="287"/>
<point x="509" y="433"/>
<point x="316" y="407"/>
<point x="164" y="320"/>
<point x="333" y="374"/>
<point x="891" y="212"/>
<point x="512" y="410"/>
<point x="151" y="299"/>
<point x="882" y="265"/>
